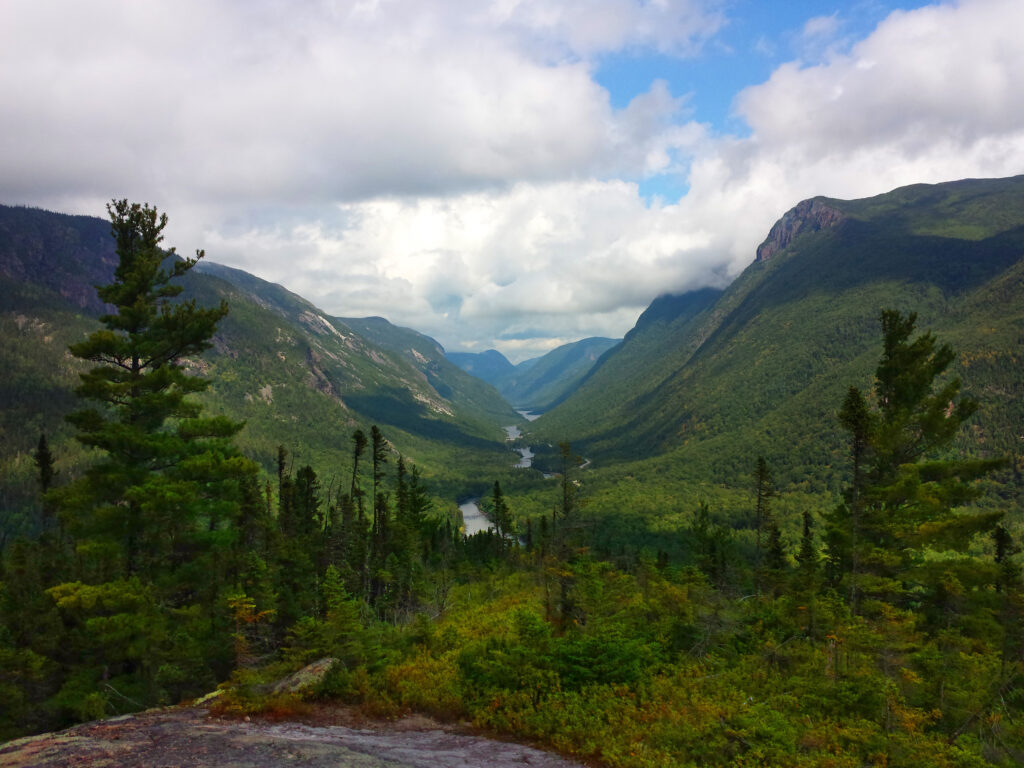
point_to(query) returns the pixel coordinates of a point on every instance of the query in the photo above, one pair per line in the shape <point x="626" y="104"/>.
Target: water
<point x="472" y="518"/>
<point x="528" y="415"/>
<point x="527" y="458"/>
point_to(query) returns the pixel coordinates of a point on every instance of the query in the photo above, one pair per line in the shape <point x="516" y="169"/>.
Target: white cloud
<point x="321" y="101"/>
<point x="455" y="166"/>
<point x="943" y="73"/>
<point x="559" y="259"/>
<point x="929" y="96"/>
<point x="821" y="27"/>
<point x="589" y="27"/>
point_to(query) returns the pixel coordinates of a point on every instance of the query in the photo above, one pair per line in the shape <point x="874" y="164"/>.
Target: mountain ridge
<point x="297" y="376"/>
<point x="770" y="357"/>
<point x="541" y="382"/>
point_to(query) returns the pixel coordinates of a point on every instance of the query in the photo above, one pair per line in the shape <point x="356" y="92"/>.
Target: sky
<point x="508" y="174"/>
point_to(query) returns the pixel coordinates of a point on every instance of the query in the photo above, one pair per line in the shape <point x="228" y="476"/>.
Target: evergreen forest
<point x="840" y="588"/>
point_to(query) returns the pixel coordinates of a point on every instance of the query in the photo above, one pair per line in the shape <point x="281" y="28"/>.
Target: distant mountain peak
<point x="489" y="366"/>
<point x="811" y="215"/>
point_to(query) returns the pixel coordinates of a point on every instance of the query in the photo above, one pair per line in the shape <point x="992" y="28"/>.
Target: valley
<point x="780" y="522"/>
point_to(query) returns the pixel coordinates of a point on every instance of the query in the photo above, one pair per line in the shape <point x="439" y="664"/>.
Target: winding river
<point x="473" y="518"/>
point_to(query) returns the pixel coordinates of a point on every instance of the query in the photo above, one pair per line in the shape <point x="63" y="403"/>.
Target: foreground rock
<point x="189" y="737"/>
<point x="307" y="677"/>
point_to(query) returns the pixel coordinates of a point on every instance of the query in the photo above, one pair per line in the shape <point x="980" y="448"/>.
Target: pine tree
<point x="166" y="469"/>
<point x="353" y="517"/>
<point x="1005" y="548"/>
<point x="154" y="517"/>
<point x="806" y="577"/>
<point x="43" y="460"/>
<point x="807" y="556"/>
<point x="378" y="530"/>
<point x="775" y="553"/>
<point x="860" y="423"/>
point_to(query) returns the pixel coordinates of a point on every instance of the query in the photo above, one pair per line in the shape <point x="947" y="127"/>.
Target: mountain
<point x="297" y="376"/>
<point x="707" y="381"/>
<point x="540" y="383"/>
<point x="490" y="366"/>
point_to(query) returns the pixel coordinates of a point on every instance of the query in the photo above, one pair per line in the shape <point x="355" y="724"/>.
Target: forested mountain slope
<point x="549" y="379"/>
<point x="714" y="380"/>
<point x="297" y="376"/>
<point x="541" y="382"/>
<point x="490" y="366"/>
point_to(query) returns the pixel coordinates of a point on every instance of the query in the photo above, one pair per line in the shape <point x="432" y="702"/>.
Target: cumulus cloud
<point x="557" y="260"/>
<point x="456" y="167"/>
<point x="929" y="96"/>
<point x="322" y="101"/>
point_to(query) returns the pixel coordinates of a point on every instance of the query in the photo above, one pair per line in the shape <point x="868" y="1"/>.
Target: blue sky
<point x="509" y="174"/>
<point x="756" y="38"/>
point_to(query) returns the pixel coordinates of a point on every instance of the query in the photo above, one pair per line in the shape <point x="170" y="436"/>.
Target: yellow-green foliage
<point x="660" y="670"/>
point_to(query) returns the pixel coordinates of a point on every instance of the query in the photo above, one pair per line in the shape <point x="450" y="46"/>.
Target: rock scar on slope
<point x="176" y="738"/>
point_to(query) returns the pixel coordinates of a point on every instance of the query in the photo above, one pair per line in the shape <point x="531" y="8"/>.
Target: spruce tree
<point x="500" y="514"/>
<point x="43" y="460"/>
<point x="763" y="522"/>
<point x="905" y="495"/>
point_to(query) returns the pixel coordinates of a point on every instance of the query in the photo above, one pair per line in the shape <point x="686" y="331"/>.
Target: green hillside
<point x="490" y="366"/>
<point x="551" y="378"/>
<point x="705" y="383"/>
<point x="541" y="382"/>
<point x="296" y="376"/>
<point x="650" y="607"/>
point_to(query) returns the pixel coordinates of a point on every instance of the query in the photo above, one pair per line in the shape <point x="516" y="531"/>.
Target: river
<point x="473" y="519"/>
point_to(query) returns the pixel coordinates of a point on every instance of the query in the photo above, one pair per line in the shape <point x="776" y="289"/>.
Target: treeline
<point x="890" y="634"/>
<point x="299" y="569"/>
<point x="164" y="566"/>
<point x="889" y="631"/>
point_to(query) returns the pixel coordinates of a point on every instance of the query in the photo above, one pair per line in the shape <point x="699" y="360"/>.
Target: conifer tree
<point x="353" y="516"/>
<point x="897" y="502"/>
<point x="167" y="470"/>
<point x="500" y="515"/>
<point x="806" y="579"/>
<point x="358" y="446"/>
<point x="43" y="460"/>
<point x="151" y="516"/>
<point x="763" y="522"/>
<point x="775" y="554"/>
<point x="378" y="529"/>
<point x="807" y="556"/>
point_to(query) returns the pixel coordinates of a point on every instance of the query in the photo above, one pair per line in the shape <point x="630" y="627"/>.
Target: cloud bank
<point x="457" y="168"/>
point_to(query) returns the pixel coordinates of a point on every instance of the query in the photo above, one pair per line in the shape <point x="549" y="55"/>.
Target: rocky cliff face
<point x="808" y="216"/>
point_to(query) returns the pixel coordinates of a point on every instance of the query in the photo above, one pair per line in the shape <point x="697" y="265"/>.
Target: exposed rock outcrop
<point x="307" y="677"/>
<point x="811" y="215"/>
<point x="188" y="736"/>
